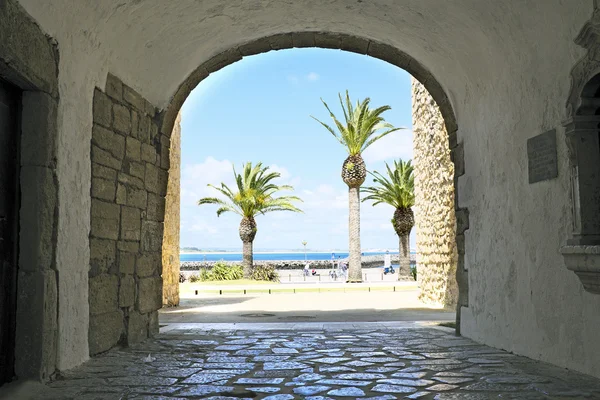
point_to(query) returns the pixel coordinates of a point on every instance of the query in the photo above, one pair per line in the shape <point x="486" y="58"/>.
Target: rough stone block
<point x="281" y="41"/>
<point x="105" y="331"/>
<point x="121" y="194"/>
<point x="156" y="208"/>
<point x="458" y="158"/>
<point x="105" y="220"/>
<point x="102" y="109"/>
<point x="36" y="324"/>
<point x="104" y="291"/>
<point x="150" y="109"/>
<point x="137" y="169"/>
<point x="137" y="198"/>
<point x="38" y="130"/>
<point x="133" y="149"/>
<point x="131" y="220"/>
<point x="127" y="262"/>
<point x="152" y="236"/>
<point x="148" y="153"/>
<point x="354" y="44"/>
<point x="249" y="49"/>
<point x="132" y="181"/>
<point x="328" y="40"/>
<point x="127" y="291"/>
<point x="132" y="97"/>
<point x="103" y="254"/>
<point x="303" y="39"/>
<point x="135" y="123"/>
<point x="148" y="264"/>
<point x="114" y="87"/>
<point x="389" y="53"/>
<point x="137" y="328"/>
<point x="149" y="294"/>
<point x="164" y="157"/>
<point x="103" y="189"/>
<point x="223" y="59"/>
<point x="100" y="171"/>
<point x="163" y="181"/>
<point x="153" y="327"/>
<point x="151" y="178"/>
<point x="128" y="246"/>
<point x="37" y="218"/>
<point x="462" y="221"/>
<point x="103" y="157"/>
<point x="121" y="119"/>
<point x="109" y="141"/>
<point x="143" y="133"/>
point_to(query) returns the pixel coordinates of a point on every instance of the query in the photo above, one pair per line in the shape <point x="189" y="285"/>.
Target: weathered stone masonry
<point x="130" y="162"/>
<point x="170" y="249"/>
<point x="435" y="219"/>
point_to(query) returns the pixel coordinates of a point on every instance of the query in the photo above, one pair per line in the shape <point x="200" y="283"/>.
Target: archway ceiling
<point x="153" y="45"/>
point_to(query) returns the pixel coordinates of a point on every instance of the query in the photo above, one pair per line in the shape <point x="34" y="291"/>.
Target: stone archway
<point x="433" y="117"/>
<point x="130" y="164"/>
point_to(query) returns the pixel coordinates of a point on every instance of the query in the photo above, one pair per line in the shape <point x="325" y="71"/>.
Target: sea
<point x="232" y="256"/>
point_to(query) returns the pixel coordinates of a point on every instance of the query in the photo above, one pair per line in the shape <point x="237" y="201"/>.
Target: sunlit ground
<point x="402" y="305"/>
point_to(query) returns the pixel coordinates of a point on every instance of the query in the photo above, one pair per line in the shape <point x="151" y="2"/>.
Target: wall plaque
<point x="541" y="157"/>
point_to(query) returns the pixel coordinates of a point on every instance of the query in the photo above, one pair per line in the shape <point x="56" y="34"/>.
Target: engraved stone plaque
<point x="541" y="157"/>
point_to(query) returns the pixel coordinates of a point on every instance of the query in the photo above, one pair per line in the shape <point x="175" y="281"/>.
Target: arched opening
<point x="434" y="173"/>
<point x="132" y="222"/>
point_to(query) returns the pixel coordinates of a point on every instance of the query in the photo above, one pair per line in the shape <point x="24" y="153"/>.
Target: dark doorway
<point x="9" y="211"/>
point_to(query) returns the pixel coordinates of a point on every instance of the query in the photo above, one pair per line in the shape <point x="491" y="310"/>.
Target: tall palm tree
<point x="361" y="128"/>
<point x="397" y="190"/>
<point x="255" y="195"/>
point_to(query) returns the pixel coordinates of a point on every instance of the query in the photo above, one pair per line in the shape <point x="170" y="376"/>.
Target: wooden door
<point x="9" y="210"/>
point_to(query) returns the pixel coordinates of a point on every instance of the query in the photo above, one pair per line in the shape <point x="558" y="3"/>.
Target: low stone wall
<point x="130" y="160"/>
<point x="367" y="262"/>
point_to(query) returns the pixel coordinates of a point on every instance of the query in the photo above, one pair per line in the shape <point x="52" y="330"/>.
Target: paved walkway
<point x="360" y="360"/>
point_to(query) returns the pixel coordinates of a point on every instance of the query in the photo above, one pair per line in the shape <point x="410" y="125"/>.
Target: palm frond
<point x="255" y="193"/>
<point x="363" y="125"/>
<point x="395" y="189"/>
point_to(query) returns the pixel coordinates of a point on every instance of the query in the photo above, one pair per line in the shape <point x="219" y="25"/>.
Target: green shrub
<point x="413" y="271"/>
<point x="265" y="273"/>
<point x="222" y="271"/>
<point x="194" y="278"/>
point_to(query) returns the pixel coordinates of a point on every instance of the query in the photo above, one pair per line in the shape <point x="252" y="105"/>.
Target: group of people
<point x="339" y="269"/>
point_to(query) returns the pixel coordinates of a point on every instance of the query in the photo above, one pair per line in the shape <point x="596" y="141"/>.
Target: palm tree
<point x="304" y="243"/>
<point x="254" y="195"/>
<point x="397" y="190"/>
<point x="362" y="127"/>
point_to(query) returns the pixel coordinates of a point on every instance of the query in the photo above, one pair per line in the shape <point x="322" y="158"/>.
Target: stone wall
<point x="130" y="162"/>
<point x="170" y="247"/>
<point x="435" y="219"/>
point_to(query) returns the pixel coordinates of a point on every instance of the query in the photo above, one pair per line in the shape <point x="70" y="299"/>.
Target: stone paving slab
<point x="401" y="362"/>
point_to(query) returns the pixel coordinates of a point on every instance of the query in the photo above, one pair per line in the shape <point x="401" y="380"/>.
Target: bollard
<point x="196" y="292"/>
<point x="290" y="277"/>
<point x="319" y="277"/>
<point x="382" y="276"/>
<point x="220" y="291"/>
<point x="244" y="291"/>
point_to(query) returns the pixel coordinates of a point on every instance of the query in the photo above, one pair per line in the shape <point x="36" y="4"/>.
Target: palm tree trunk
<point x="354" y="267"/>
<point x="247" y="259"/>
<point x="404" y="268"/>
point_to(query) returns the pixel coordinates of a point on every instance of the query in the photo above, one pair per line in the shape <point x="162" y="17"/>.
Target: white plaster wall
<point x="505" y="66"/>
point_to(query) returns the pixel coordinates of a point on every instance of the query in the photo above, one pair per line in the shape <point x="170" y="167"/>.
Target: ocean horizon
<point x="273" y="256"/>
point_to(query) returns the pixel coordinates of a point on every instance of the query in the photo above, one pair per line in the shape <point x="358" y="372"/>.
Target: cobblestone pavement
<point x="379" y="363"/>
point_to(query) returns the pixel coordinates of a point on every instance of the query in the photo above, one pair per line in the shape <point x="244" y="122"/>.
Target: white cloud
<point x="196" y="177"/>
<point x="395" y="145"/>
<point x="313" y="76"/>
<point x="293" y="79"/>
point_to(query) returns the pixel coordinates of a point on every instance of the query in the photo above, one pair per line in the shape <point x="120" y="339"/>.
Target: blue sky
<point x="258" y="109"/>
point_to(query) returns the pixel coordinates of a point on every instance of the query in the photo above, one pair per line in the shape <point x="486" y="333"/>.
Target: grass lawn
<point x="233" y="283"/>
